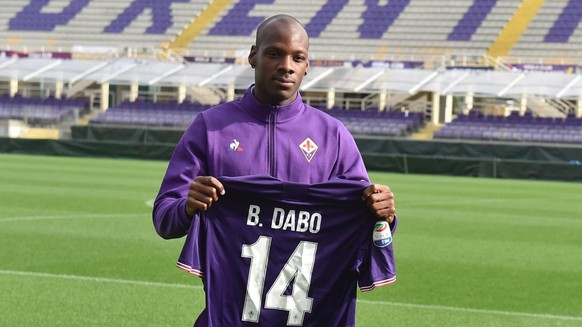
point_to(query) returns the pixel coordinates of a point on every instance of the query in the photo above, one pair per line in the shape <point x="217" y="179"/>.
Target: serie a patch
<point x="382" y="236"/>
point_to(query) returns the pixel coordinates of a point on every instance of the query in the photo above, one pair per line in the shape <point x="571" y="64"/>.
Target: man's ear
<point x="253" y="56"/>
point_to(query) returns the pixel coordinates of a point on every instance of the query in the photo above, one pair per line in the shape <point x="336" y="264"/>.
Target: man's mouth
<point x="284" y="81"/>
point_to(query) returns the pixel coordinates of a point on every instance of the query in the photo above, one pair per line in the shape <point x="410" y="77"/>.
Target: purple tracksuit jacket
<point x="294" y="143"/>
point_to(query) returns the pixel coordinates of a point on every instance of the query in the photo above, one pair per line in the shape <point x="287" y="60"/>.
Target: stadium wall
<point x="448" y="157"/>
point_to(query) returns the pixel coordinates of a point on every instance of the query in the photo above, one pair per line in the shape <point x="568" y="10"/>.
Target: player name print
<point x="293" y="220"/>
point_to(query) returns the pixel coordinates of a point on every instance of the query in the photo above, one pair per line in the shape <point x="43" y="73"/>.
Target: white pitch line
<point x="96" y="279"/>
<point x="197" y="287"/>
<point x="72" y="216"/>
<point x="471" y="310"/>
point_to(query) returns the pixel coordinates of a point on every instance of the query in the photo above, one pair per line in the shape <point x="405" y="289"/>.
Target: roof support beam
<point x="455" y="83"/>
<point x="510" y="85"/>
<point x="422" y="83"/>
<point x="106" y="79"/>
<point x="369" y="80"/>
<point x="569" y="86"/>
<point x="166" y="74"/>
<point x="42" y="70"/>
<point x="216" y="75"/>
<point x="87" y="72"/>
<point x="321" y="76"/>
<point x="8" y="62"/>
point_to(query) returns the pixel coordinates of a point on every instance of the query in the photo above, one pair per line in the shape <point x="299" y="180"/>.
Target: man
<point x="269" y="131"/>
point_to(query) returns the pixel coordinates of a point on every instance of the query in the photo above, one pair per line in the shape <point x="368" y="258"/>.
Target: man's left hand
<point x="380" y="199"/>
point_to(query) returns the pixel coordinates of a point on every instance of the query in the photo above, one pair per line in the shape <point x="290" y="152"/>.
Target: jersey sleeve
<point x="377" y="267"/>
<point x="192" y="257"/>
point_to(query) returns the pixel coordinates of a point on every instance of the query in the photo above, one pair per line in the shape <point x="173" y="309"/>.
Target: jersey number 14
<point x="298" y="269"/>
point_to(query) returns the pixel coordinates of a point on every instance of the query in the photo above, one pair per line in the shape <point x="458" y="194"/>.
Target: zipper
<point x="271" y="146"/>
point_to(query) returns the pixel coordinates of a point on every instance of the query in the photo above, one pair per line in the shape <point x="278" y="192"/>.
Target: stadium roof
<point x="125" y="71"/>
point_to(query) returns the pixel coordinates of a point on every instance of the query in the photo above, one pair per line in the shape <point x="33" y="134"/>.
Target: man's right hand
<point x="203" y="191"/>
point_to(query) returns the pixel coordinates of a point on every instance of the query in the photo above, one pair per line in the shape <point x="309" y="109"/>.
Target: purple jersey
<point x="295" y="143"/>
<point x="275" y="253"/>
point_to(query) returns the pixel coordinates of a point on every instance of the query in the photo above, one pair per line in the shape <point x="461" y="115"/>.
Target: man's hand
<point x="203" y="192"/>
<point x="380" y="199"/>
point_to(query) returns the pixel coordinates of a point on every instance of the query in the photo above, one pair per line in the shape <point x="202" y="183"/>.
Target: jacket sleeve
<point x="349" y="164"/>
<point x="188" y="161"/>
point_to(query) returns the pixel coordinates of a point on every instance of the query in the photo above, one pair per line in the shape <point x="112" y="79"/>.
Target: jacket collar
<point x="262" y="111"/>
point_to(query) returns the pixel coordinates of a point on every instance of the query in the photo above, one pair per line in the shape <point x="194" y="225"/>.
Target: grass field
<point x="77" y="248"/>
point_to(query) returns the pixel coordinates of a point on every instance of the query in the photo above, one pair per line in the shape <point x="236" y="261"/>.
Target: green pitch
<point x="77" y="248"/>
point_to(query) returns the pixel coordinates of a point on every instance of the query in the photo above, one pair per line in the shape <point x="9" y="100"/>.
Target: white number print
<point x="298" y="269"/>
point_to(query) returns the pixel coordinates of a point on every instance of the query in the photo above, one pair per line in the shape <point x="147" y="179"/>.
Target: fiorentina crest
<point x="308" y="147"/>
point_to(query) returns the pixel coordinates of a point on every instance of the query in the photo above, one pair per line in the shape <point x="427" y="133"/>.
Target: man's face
<point x="281" y="62"/>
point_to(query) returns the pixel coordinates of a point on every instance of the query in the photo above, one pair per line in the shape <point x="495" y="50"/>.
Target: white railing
<point x="432" y="60"/>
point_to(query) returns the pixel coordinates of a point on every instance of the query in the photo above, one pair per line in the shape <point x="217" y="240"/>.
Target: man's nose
<point x="286" y="64"/>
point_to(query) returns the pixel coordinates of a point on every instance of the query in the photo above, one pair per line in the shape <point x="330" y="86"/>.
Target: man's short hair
<point x="279" y="17"/>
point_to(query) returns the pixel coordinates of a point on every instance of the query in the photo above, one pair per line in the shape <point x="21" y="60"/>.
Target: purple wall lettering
<point x="161" y="16"/>
<point x="324" y="17"/>
<point x="390" y="64"/>
<point x="472" y="19"/>
<point x="378" y="19"/>
<point x="566" y="23"/>
<point x="30" y="18"/>
<point x="237" y="21"/>
<point x="545" y="68"/>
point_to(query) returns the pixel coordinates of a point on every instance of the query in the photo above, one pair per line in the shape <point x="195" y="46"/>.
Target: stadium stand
<point x="340" y="29"/>
<point x="552" y="34"/>
<point x="487" y="36"/>
<point x="370" y="122"/>
<point x="515" y="128"/>
<point x="41" y="112"/>
<point x="149" y="114"/>
<point x="358" y="29"/>
<point x="97" y="25"/>
<point x="374" y="122"/>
